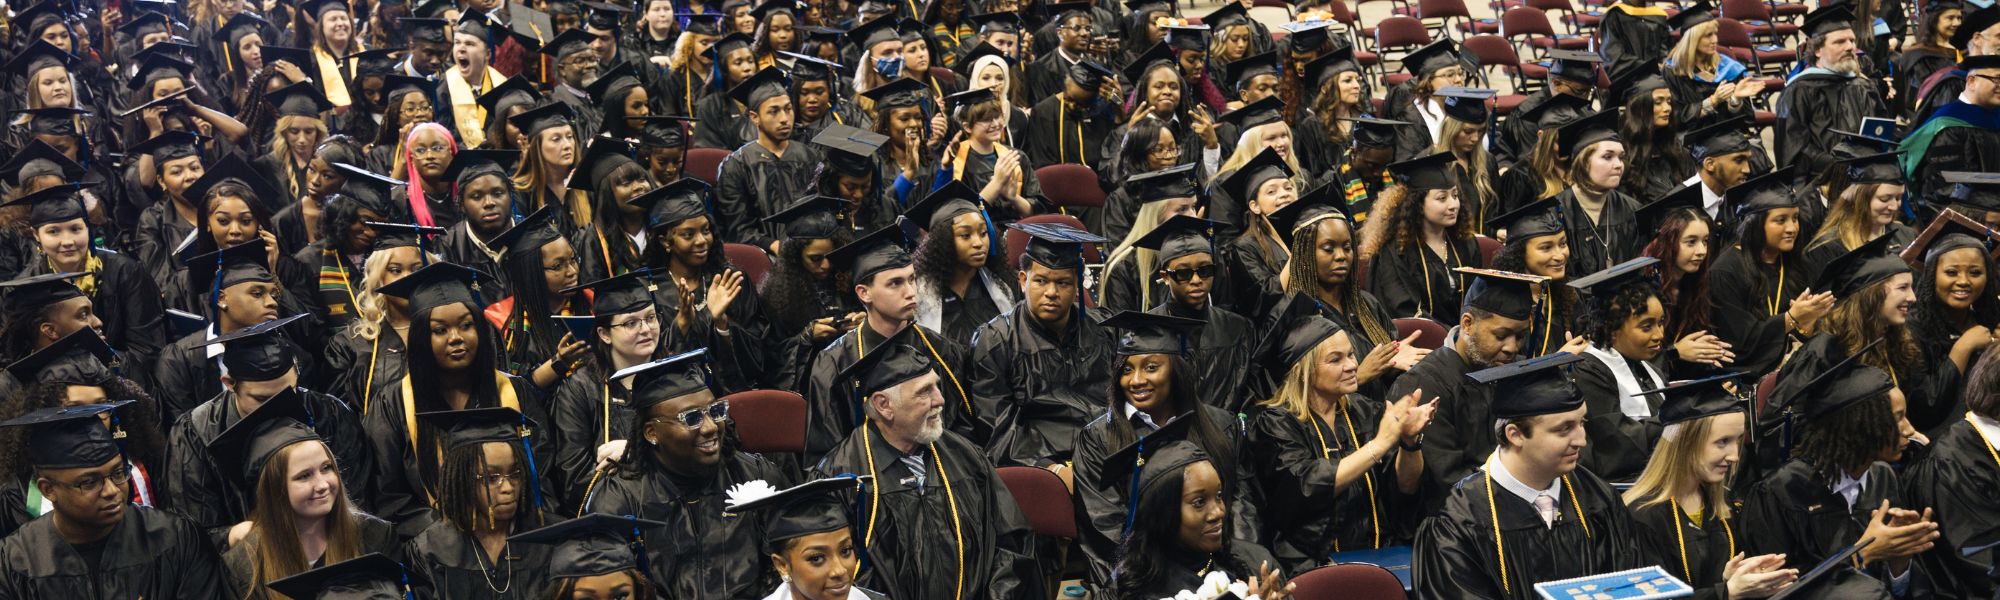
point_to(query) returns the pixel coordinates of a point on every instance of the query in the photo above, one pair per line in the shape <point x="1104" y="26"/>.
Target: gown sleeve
<point x="1447" y="561"/>
<point x="1390" y="282"/>
<point x="1619" y="444"/>
<point x="1099" y="506"/>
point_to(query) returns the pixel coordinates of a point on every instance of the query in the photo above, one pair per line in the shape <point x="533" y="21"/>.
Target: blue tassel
<point x="1132" y="492"/>
<point x="638" y="545"/>
<point x="535" y="478"/>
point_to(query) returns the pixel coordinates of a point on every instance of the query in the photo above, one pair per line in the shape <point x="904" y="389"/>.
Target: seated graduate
<point x="879" y="266"/>
<point x="810" y="538"/>
<point x="1626" y="326"/>
<point x="805" y="295"/>
<point x="721" y="117"/>
<point x="548" y="162"/>
<point x="1561" y="521"/>
<point x="1869" y="207"/>
<point x="541" y="268"/>
<point x="119" y="294"/>
<point x="592" y="413"/>
<point x="486" y="197"/>
<point x="1954" y="315"/>
<point x="487" y="490"/>
<point x="1956" y="481"/>
<point x="1319" y="237"/>
<point x="259" y="363"/>
<point x="243" y="293"/>
<point x="1156" y="388"/>
<point x="1494" y="321"/>
<point x="930" y="486"/>
<point x="1178" y="524"/>
<point x="593" y="557"/>
<point x="79" y="369"/>
<point x="228" y="204"/>
<point x="40" y="310"/>
<point x="613" y="241"/>
<point x="1682" y="496"/>
<point x="982" y="160"/>
<point x="367" y="352"/>
<point x="675" y="470"/>
<point x="710" y="303"/>
<point x="1319" y="479"/>
<point x="373" y="575"/>
<point x="1038" y="368"/>
<point x="95" y="542"/>
<point x="1685" y="243"/>
<point x="1425" y="230"/>
<point x="854" y="170"/>
<point x="300" y="511"/>
<point x="452" y="357"/>
<point x="1838" y="488"/>
<point x="1220" y="347"/>
<point x="1538" y="245"/>
<point x="1128" y="281"/>
<point x="1264" y="185"/>
<point x="336" y="258"/>
<point x="1070" y="123"/>
<point x="1597" y="214"/>
<point x="762" y="175"/>
<point x="172" y="161"/>
<point x="1759" y="284"/>
<point x="962" y="279"/>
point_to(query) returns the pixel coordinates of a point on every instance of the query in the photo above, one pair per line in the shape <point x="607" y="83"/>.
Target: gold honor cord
<point x="951" y="502"/>
<point x="1680" y="539"/>
<point x="1500" y="547"/>
<point x="1374" y="515"/>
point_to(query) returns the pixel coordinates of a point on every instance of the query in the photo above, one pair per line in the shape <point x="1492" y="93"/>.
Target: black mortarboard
<point x="167" y="146"/>
<point x="1553" y="112"/>
<point x="1983" y="61"/>
<point x="367" y="186"/>
<point x="68" y="437"/>
<point x="374" y="61"/>
<point x="664" y="131"/>
<point x="258" y="352"/>
<point x="901" y="92"/>
<point x="1266" y="166"/>
<point x="604" y="156"/>
<point x="1532" y="387"/>
<point x="1829" y="19"/>
<point x="1147" y="333"/>
<point x="816" y="506"/>
<point x="229" y="267"/>
<point x="814" y="218"/>
<point x="471" y="426"/>
<point x="880" y="250"/>
<point x="534" y="231"/>
<point x="604" y="15"/>
<point x="568" y="42"/>
<point x="31" y="20"/>
<point x="1159" y="54"/>
<point x="1430" y="172"/>
<point x="867" y="35"/>
<point x="1581" y="133"/>
<point x="1003" y="22"/>
<point x="1844" y="383"/>
<point x="245" y="449"/>
<point x="39" y="159"/>
<point x="1158" y="456"/>
<point x="436" y="285"/>
<point x="591" y="545"/>
<point x="1179" y="236"/>
<point x="619" y="78"/>
<point x="1539" y="218"/>
<point x="232" y="168"/>
<point x="684" y="199"/>
<point x="1089" y="73"/>
<point x="1065" y="9"/>
<point x="1055" y="245"/>
<point x="1654" y="214"/>
<point x="1270" y="109"/>
<point x="530" y="27"/>
<point x="1177" y="181"/>
<point x="668" y="378"/>
<point x="708" y="23"/>
<point x="935" y="211"/>
<point x="36" y="292"/>
<point x="147" y="23"/>
<point x="1630" y="83"/>
<point x="1227" y="14"/>
<point x="1719" y="138"/>
<point x="1324" y="68"/>
<point x="824" y="35"/>
<point x="1954" y="231"/>
<point x="1973" y="23"/>
<point x="425" y="29"/>
<point x="1866" y="265"/>
<point x="1875" y="168"/>
<point x="1689" y="400"/>
<point x="1187" y="37"/>
<point x="80" y="358"/>
<point x="766" y="84"/>
<point x="1370" y="132"/>
<point x="1574" y="65"/>
<point x="61" y="121"/>
<point x="317" y="9"/>
<point x="729" y="43"/>
<point x="515" y="91"/>
<point x="1502" y="293"/>
<point x="1468" y="105"/>
<point x="467" y="164"/>
<point x="812" y="68"/>
<point x="970" y="98"/>
<point x="1142" y="6"/>
<point x="176" y="48"/>
<point x="972" y="57"/>
<point x="1308" y="37"/>
<point x="1241" y="71"/>
<point x="298" y="57"/>
<point x="1603" y="283"/>
<point x="299" y="100"/>
<point x="1297" y="327"/>
<point x="1975" y="190"/>
<point x="368" y="577"/>
<point x="617" y="295"/>
<point x="389" y="236"/>
<point x="54" y="204"/>
<point x="1761" y="193"/>
<point x="544" y="117"/>
<point x="1431" y="58"/>
<point x="40" y="55"/>
<point x="890" y="363"/>
<point x="851" y="150"/>
<point x="765" y="9"/>
<point x="1701" y="12"/>
<point x="1307" y="212"/>
<point x="1875" y="135"/>
<point x="157" y="67"/>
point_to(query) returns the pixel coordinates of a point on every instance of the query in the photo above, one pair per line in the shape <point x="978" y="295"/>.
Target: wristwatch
<point x="1415" y="446"/>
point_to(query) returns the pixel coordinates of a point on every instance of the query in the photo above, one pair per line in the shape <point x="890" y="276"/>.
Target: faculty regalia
<point x="1413" y="281"/>
<point x="1308" y="518"/>
<point x="1454" y="555"/>
<point x="1956" y="481"/>
<point x="446" y="562"/>
<point x="1705" y="545"/>
<point x="1812" y="105"/>
<point x="1634" y="37"/>
<point x="1958" y="137"/>
<point x="149" y="554"/>
<point x="703" y="552"/>
<point x="1794" y="511"/>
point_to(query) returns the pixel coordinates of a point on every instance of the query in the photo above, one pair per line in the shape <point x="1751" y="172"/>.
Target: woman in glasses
<point x="592" y="411"/>
<point x="1131" y="280"/>
<point x="487" y="491"/>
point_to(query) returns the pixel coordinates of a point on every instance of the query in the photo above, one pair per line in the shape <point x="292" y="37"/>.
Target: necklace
<point x="486" y="573"/>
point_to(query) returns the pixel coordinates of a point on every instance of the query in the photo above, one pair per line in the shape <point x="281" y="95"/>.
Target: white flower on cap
<point x="749" y="491"/>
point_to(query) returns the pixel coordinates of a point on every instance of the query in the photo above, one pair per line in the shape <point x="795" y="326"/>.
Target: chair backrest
<point x="704" y="163"/>
<point x="769" y="421"/>
<point x="1487" y="248"/>
<point x="1442" y="9"/>
<point x="1525" y="21"/>
<point x="1401" y="32"/>
<point x="1043" y="499"/>
<point x="1351" y="581"/>
<point x="1017" y="242"/>
<point x="1342" y="13"/>
<point x="1731" y="33"/>
<point x="1746" y="10"/>
<point x="1071" y="185"/>
<point x="1765" y="385"/>
<point x="1431" y="333"/>
<point x="756" y="265"/>
<point x="1491" y="51"/>
<point x="1548" y="6"/>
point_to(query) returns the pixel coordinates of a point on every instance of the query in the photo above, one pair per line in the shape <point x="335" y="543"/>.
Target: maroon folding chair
<point x="1487" y="248"/>
<point x="1400" y="34"/>
<point x="1492" y="51"/>
<point x="1765" y="385"/>
<point x="1345" y="16"/>
<point x="1756" y="15"/>
<point x="1046" y="502"/>
<point x="1578" y="21"/>
<point x="1430" y="335"/>
<point x="704" y="163"/>
<point x="1734" y="38"/>
<point x="1443" y="12"/>
<point x="756" y="265"/>
<point x="769" y="421"/>
<point x="1071" y="185"/>
<point x="1531" y="26"/>
<point x="1351" y="581"/>
<point x="1017" y="241"/>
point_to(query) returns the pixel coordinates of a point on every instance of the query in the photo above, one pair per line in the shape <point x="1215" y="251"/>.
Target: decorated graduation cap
<point x="816" y="506"/>
<point x="368" y="577"/>
<point x="1973" y="23"/>
<point x="1249" y="67"/>
<point x="1539" y="218"/>
<point x="1431" y="58"/>
<point x="1574" y="65"/>
<point x="171" y="145"/>
<point x="258" y="352"/>
<point x="613" y="82"/>
<point x="1270" y="109"/>
<point x="901" y="92"/>
<point x="1654" y="214"/>
<point x="389" y="236"/>
<point x="1719" y="138"/>
<point x="467" y="164"/>
<point x="1532" y="387"/>
<point x="1089" y="73"/>
<point x="1147" y="333"/>
<point x="568" y="42"/>
<point x="676" y="376"/>
<point x="1158" y="55"/>
<point x="1324" y="68"/>
<point x="1702" y="11"/>
<point x="1510" y="295"/>
<point x="592" y="545"/>
<point x="1187" y="37"/>
<point x="54" y="204"/>
<point x="1829" y="19"/>
<point x="1429" y="172"/>
<point x="1581" y="133"/>
<point x="157" y="67"/>
<point x="1468" y="105"/>
<point x="1177" y="181"/>
<point x="1875" y="168"/>
<point x="299" y="100"/>
<point x="811" y="68"/>
<point x="684" y="199"/>
<point x="1179" y="236"/>
<point x="68" y="437"/>
<point x="33" y="293"/>
<point x="1266" y="166"/>
<point x="1844" y="383"/>
<point x="1152" y="459"/>
<point x="1689" y="400"/>
<point x="427" y="29"/>
<point x="1309" y="36"/>
<point x="1865" y="265"/>
<point x="936" y="211"/>
<point x="1370" y="132"/>
<point x="880" y="250"/>
<point x="542" y="118"/>
<point x="813" y="218"/>
<point x="765" y="85"/>
<point x="1605" y="283"/>
<point x="435" y="285"/>
<point x="59" y="120"/>
<point x="1974" y="190"/>
<point x="1955" y="231"/>
<point x="246" y="448"/>
<point x="40" y="55"/>
<point x="1297" y="327"/>
<point x="1056" y="245"/>
<point x="80" y="358"/>
<point x="534" y="231"/>
<point x="851" y="150"/>
<point x="1758" y="194"/>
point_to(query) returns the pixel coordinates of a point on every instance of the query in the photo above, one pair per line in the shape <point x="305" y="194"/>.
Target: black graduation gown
<point x="1253" y="288"/>
<point x="1060" y="134"/>
<point x="300" y="283"/>
<point x="1620" y="444"/>
<point x="1742" y="292"/>
<point x="1046" y="76"/>
<point x="914" y="535"/>
<point x="459" y="247"/>
<point x="1613" y="239"/>
<point x="1039" y="387"/>
<point x="978" y="170"/>
<point x="755" y="183"/>
<point x="402" y="493"/>
<point x="742" y="358"/>
<point x="722" y="123"/>
<point x="1461" y="431"/>
<point x="291" y="181"/>
<point x="1631" y="42"/>
<point x="588" y="119"/>
<point x="149" y="554"/>
<point x="160" y="231"/>
<point x="1813" y="105"/>
<point x="1414" y="281"/>
<point x="833" y="411"/>
<point x="1221" y="353"/>
<point x="335" y="281"/>
<point x="1912" y="68"/>
<point x="1514" y="139"/>
<point x="444" y="562"/>
<point x="1315" y="149"/>
<point x="1101" y="502"/>
<point x="1794" y="511"/>
<point x="1944" y="91"/>
<point x="1454" y="555"/>
<point x="703" y="552"/>
<point x="1938" y="400"/>
<point x="185" y="376"/>
<point x="360" y="368"/>
<point x="1182" y="570"/>
<point x="128" y="303"/>
<point x="238" y="565"/>
<point x="580" y="407"/>
<point x="683" y="91"/>
<point x="1670" y="537"/>
<point x="963" y="315"/>
<point x="1690" y="94"/>
<point x="1306" y="517"/>
<point x="216" y="499"/>
<point x="1956" y="481"/>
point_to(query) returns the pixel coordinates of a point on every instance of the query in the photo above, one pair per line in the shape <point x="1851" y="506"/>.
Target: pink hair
<point x="418" y="206"/>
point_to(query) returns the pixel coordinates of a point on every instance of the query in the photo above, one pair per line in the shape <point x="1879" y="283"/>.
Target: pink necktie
<point x="1546" y="505"/>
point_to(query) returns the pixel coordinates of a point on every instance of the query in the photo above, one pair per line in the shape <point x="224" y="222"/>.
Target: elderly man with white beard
<point x="936" y="521"/>
<point x="1833" y="93"/>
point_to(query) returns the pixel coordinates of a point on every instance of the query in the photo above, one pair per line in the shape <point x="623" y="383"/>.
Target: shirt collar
<point x="1711" y="200"/>
<point x="1498" y="470"/>
<point x="209" y="335"/>
<point x="1987" y="426"/>
<point x="1143" y="417"/>
<point x="476" y="243"/>
<point x="1849" y="488"/>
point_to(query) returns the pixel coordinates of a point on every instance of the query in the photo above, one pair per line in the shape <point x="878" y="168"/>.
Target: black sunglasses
<point x="1184" y="274"/>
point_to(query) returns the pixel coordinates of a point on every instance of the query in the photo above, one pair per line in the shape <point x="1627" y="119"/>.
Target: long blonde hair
<point x="271" y="518"/>
<point x="1672" y="472"/>
<point x="369" y="307"/>
<point x="1686" y="60"/>
<point x="1248" y="147"/>
<point x="1479" y="159"/>
<point x="1548" y="167"/>
<point x="1849" y="221"/>
<point x="1143" y="259"/>
<point x="1294" y="393"/>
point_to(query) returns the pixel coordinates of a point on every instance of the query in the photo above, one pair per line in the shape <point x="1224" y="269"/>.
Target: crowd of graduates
<point x="451" y="299"/>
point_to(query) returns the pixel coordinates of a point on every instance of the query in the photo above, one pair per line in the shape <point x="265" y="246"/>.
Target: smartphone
<point x="580" y="327"/>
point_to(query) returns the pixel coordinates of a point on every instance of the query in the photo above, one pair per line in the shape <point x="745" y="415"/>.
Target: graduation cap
<point x="258" y="352"/>
<point x="1653" y="215"/>
<point x="765" y="9"/>
<point x="813" y="218"/>
<point x="1865" y="265"/>
<point x="684" y="199"/>
<point x="1229" y="13"/>
<point x="877" y="251"/>
<point x="147" y="23"/>
<point x="40" y="55"/>
<point x="1430" y="172"/>
<point x="1702" y="11"/>
<point x="1973" y="23"/>
<point x="60" y="121"/>
<point x="1297" y="326"/>
<point x="1145" y="6"/>
<point x="1975" y="190"/>
<point x="80" y="358"/>
<point x="299" y="100"/>
<point x="1829" y="19"/>
<point x="232" y="169"/>
<point x="1574" y="65"/>
<point x="1306" y="212"/>
<point x="766" y="84"/>
<point x="1370" y="132"/>
<point x="32" y="20"/>
<point x="1468" y="105"/>
<point x="901" y="92"/>
<point x="432" y="9"/>
<point x="1573" y="138"/>
<point x="1324" y="68"/>
<point x="664" y="131"/>
<point x="474" y="426"/>
<point x="542" y="118"/>
<point x="824" y="35"/>
<point x="1249" y="67"/>
<point x="534" y="231"/>
<point x="1693" y="399"/>
<point x="1553" y="112"/>
<point x="881" y="29"/>
<point x="1188" y="37"/>
<point x="245" y="449"/>
<point x="374" y="61"/>
<point x="54" y="204"/>
<point x="1631" y="83"/>
<point x="970" y="98"/>
<point x="467" y="164"/>
<point x="38" y="159"/>
<point x="591" y="545"/>
<point x="176" y="48"/>
<point x="1535" y="219"/>
<point x="298" y="57"/>
<point x="426" y="29"/>
<point x="851" y="149"/>
<point x="709" y="23"/>
<point x="984" y="49"/>
<point x="1271" y="109"/>
<point x="1502" y="293"/>
<point x="437" y="284"/>
<point x="1089" y="74"/>
<point x="816" y="506"/>
<point x="568" y="42"/>
<point x="395" y="85"/>
<point x="1844" y="383"/>
<point x="1761" y="193"/>
<point x="1000" y="22"/>
<point x="229" y="267"/>
<point x="1159" y="54"/>
<point x="668" y="378"/>
<point x="389" y="236"/>
<point x="33" y="293"/>
<point x="1431" y="58"/>
<point x="1152" y="459"/>
<point x="516" y="90"/>
<point x="530" y="27"/>
<point x="1532" y="387"/>
<point x="1951" y="230"/>
<point x="893" y="361"/>
<point x="1983" y="61"/>
<point x="159" y="67"/>
<point x="1063" y="11"/>
<point x="1179" y="236"/>
<point x="318" y="8"/>
<point x="368" y="577"/>
<point x="604" y="156"/>
<point x="1266" y="166"/>
<point x="1056" y="245"/>
<point x="602" y="15"/>
<point x="617" y="80"/>
<point x="1603" y="284"/>
<point x="480" y="25"/>
<point x="1875" y="168"/>
<point x="367" y="186"/>
<point x="1147" y="333"/>
<point x="813" y="68"/>
<point x="1719" y="138"/>
<point x="68" y="437"/>
<point x="1177" y="181"/>
<point x="1309" y="36"/>
<point x="936" y="211"/>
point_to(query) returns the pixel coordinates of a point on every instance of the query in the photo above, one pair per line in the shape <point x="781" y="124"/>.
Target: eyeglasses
<point x="1186" y="274"/>
<point x="428" y="150"/>
<point x="645" y="321"/>
<point x="692" y="418"/>
<point x="493" y="480"/>
<point x="91" y="485"/>
<point x="1166" y="150"/>
<point x="563" y="264"/>
<point x="1082" y="29"/>
<point x="1993" y="79"/>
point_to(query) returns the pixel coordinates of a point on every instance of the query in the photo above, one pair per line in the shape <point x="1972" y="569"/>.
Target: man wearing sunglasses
<point x="1185" y="250"/>
<point x="1961" y="136"/>
<point x="676" y="470"/>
